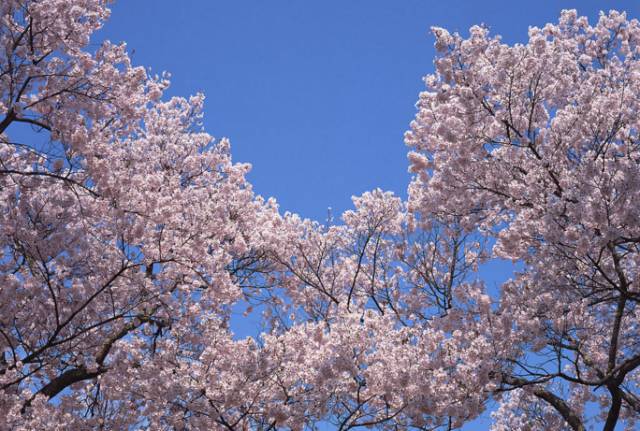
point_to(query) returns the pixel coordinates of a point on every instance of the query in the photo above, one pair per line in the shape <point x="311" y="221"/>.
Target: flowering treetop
<point x="128" y="237"/>
<point x="537" y="145"/>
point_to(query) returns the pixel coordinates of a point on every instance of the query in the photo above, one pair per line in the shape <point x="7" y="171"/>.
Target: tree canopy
<point x="128" y="236"/>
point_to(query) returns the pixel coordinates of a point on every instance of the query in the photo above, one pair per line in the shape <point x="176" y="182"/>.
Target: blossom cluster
<point x="129" y="239"/>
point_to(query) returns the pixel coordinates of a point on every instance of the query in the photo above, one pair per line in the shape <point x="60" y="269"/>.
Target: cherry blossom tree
<point x="536" y="145"/>
<point x="129" y="237"/>
<point x="527" y="153"/>
<point x="124" y="229"/>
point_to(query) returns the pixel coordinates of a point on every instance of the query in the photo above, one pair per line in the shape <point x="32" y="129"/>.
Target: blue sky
<point x="316" y="94"/>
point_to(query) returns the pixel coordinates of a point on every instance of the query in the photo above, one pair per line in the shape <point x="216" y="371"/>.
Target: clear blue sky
<point x="316" y="94"/>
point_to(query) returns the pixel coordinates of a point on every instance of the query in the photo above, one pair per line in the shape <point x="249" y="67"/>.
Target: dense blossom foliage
<point x="128" y="239"/>
<point x="537" y="145"/>
<point x="120" y="221"/>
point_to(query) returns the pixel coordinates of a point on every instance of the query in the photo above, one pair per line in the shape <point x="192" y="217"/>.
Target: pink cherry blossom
<point x="129" y="240"/>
